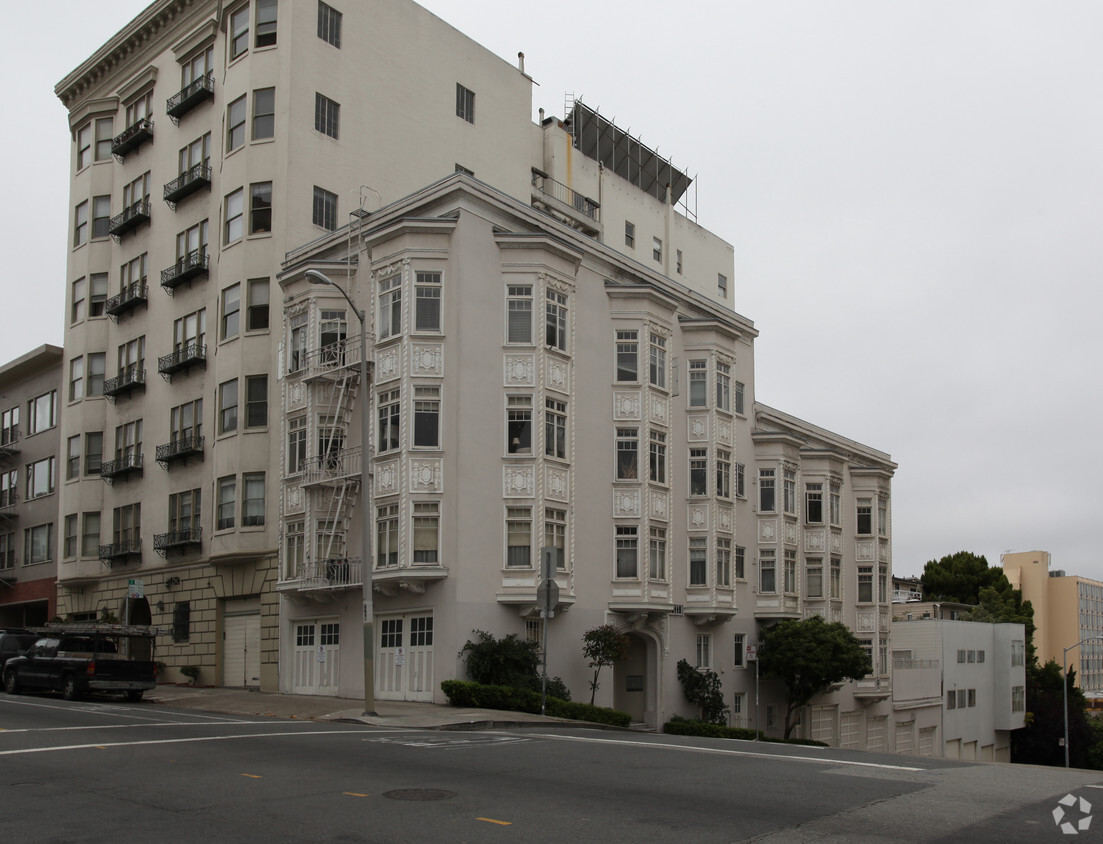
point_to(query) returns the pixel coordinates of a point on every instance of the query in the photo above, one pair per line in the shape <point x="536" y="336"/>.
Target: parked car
<point x="76" y="660"/>
<point x="14" y="641"/>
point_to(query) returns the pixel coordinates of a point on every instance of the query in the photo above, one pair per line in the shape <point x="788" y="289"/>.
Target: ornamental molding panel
<point x="556" y="483"/>
<point x="428" y="359"/>
<point x="659" y="409"/>
<point x="767" y="530"/>
<point x="724" y="519"/>
<point x="626" y="503"/>
<point x="660" y="505"/>
<point x="519" y="482"/>
<point x="724" y="431"/>
<point x="697" y="517"/>
<point x="864" y="551"/>
<point x="789" y="465"/>
<point x="520" y="371"/>
<point x="791" y="533"/>
<point x="558" y="375"/>
<point x="386" y="478"/>
<point x="426" y="474"/>
<point x="390" y="269"/>
<point x="864" y="621"/>
<point x="836" y="614"/>
<point x="557" y="284"/>
<point x="884" y="619"/>
<point x="627" y="405"/>
<point x="294" y="500"/>
<point x="723" y="358"/>
<point x="811" y="611"/>
<point x="296" y="395"/>
<point x="883" y="552"/>
<point x="658" y="329"/>
<point x="386" y="364"/>
<point x="836" y="542"/>
<point x="814" y="540"/>
<point x="698" y="428"/>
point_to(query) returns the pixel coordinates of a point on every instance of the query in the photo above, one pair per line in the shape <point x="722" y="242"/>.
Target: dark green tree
<point x="960" y="577"/>
<point x="809" y="656"/>
<point x="996" y="606"/>
<point x="703" y="688"/>
<point x="604" y="645"/>
<point x="1039" y="742"/>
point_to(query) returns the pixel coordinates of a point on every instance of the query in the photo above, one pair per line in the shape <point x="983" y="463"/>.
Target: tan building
<point x="555" y="362"/>
<point x="1067" y="609"/>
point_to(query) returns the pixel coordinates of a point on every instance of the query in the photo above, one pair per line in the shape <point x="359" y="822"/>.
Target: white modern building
<point x="555" y="362"/>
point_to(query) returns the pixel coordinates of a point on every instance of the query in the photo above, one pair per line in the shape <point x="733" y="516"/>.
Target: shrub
<point x="703" y="688"/>
<point x="461" y="693"/>
<point x="191" y="672"/>
<point x="509" y="661"/>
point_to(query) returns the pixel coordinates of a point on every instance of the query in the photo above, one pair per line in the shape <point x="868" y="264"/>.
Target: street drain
<point x="419" y="794"/>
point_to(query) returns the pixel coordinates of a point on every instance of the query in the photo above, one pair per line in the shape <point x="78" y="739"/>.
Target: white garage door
<point x="241" y="649"/>
<point x="317" y="657"/>
<point x="876" y="734"/>
<point x="823" y="724"/>
<point x="850" y="729"/>
<point x="926" y="741"/>
<point x="404" y="661"/>
<point x="904" y="737"/>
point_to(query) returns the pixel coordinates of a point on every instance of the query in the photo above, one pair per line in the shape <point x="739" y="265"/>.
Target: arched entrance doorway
<point x="634" y="680"/>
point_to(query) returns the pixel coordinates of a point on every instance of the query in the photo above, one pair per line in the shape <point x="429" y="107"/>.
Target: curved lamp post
<point x="315" y="277"/>
<point x="1065" y="687"/>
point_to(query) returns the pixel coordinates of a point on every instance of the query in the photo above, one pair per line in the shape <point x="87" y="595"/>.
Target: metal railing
<point x="184" y="356"/>
<point x="131" y="217"/>
<point x="128" y="379"/>
<point x="125" y="464"/>
<point x="132" y="295"/>
<point x="183" y="447"/>
<point x="123" y="548"/>
<point x="177" y="539"/>
<point x="336" y="465"/>
<point x="331" y="573"/>
<point x="568" y="196"/>
<point x="333" y="357"/>
<point x="190" y="96"/>
<point x="187" y="182"/>
<point x="131" y="137"/>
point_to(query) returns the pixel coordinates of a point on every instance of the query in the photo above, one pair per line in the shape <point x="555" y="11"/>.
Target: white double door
<point x="404" y="657"/>
<point x="316" y="668"/>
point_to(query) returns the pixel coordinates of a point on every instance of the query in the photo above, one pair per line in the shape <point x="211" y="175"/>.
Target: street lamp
<point x="1065" y="687"/>
<point x="315" y="277"/>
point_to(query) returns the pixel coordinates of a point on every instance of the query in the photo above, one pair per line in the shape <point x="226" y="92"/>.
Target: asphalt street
<point x="104" y="770"/>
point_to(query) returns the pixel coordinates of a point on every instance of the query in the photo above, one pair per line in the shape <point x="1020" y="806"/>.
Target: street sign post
<point x="547" y="598"/>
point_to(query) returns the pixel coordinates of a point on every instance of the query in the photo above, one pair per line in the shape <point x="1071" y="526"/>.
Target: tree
<point x="809" y="656"/>
<point x="703" y="688"/>
<point x="1039" y="742"/>
<point x="960" y="577"/>
<point x="603" y="645"/>
<point x="999" y="607"/>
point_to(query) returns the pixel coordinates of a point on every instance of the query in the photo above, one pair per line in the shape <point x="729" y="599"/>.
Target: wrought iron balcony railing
<point x="332" y="573"/>
<point x="134" y="294"/>
<point x="180" y="449"/>
<point x="557" y="190"/>
<point x="131" y="217"/>
<point x="187" y="183"/>
<point x="189" y="97"/>
<point x="9" y="440"/>
<point x="131" y="138"/>
<point x="8" y="499"/>
<point x="177" y="539"/>
<point x="193" y="354"/>
<point x="125" y="547"/>
<point x="126" y="381"/>
<point x="193" y="264"/>
<point x="111" y="469"/>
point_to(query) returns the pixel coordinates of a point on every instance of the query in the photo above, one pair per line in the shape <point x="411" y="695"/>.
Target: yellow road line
<point x="355" y="794"/>
<point x="252" y="776"/>
<point x="500" y="823"/>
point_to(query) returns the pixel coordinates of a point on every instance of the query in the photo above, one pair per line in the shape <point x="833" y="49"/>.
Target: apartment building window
<point x="128" y="442"/>
<point x="813" y="503"/>
<point x="740" y="480"/>
<point x="628" y="353"/>
<point x="867" y="648"/>
<point x="186" y="420"/>
<point x="97" y="300"/>
<point x="835" y="508"/>
<point x="1018" y="698"/>
<point x="389" y="415"/>
<point x="1018" y="653"/>
<point x="882" y="516"/>
<point x="195" y="154"/>
<point x="38" y="544"/>
<point x="627" y="551"/>
<point x="698" y="561"/>
<point x="657" y="562"/>
<point x="836" y="577"/>
<point x="657" y="249"/>
<point x="971" y="697"/>
<point x="790" y="571"/>
<point x="239" y="32"/>
<point x="390" y="307"/>
<point x="704" y="650"/>
<point x="767" y="571"/>
<point x="740" y="562"/>
<point x="698" y="388"/>
<point x="426" y="532"/>
<point x="789" y="488"/>
<point x="723" y="386"/>
<point x="235" y="216"/>
<point x="296" y="444"/>
<point x="657" y="373"/>
<point x="556" y="333"/>
<point x="257" y="309"/>
<point x="227" y="407"/>
<point x="555" y="536"/>
<point x="90" y="535"/>
<point x="766" y="493"/>
<point x="42" y="413"/>
<point x="139" y="108"/>
<point x="518" y="537"/>
<point x="465" y="103"/>
<point x="813" y="577"/>
<point x="260" y="207"/>
<point x="722" y="285"/>
<point x="93" y="452"/>
<point x="76" y="379"/>
<point x="72" y="458"/>
<point x="628" y="453"/>
<point x="865" y="517"/>
<point x="739" y="654"/>
<point x="951" y="699"/>
<point x="136" y="192"/>
<point x="80" y="224"/>
<point x="386" y="532"/>
<point x="9" y="488"/>
<point x="698" y="471"/>
<point x="740" y="391"/>
<point x="192" y="242"/>
<point x="84" y="146"/>
<point x="678" y="261"/>
<point x="658" y="457"/>
<point x="252" y="502"/>
<point x="329" y="24"/>
<point x="9" y="425"/>
<point x="723" y="473"/>
<point x="105" y="134"/>
<point x="629" y="234"/>
<point x="295" y="548"/>
<point x="264" y="113"/>
<point x="427" y="416"/>
<point x="101" y="216"/>
<point x="256" y="401"/>
<point x="79" y="304"/>
<point x="883" y="585"/>
<point x="724" y="563"/>
<point x="184" y="510"/>
<point x="519" y="424"/>
<point x="865" y="584"/>
<point x="296" y="347"/>
<point x="266" y="22"/>
<point x="196" y="67"/>
<point x="519" y="314"/>
<point x="555" y="428"/>
<point x="231" y="311"/>
<point x="327" y="115"/>
<point x="133" y="272"/>
<point x="427" y="294"/>
<point x="226" y="506"/>
<point x="40" y="478"/>
<point x="235" y="131"/>
<point x="96" y="366"/>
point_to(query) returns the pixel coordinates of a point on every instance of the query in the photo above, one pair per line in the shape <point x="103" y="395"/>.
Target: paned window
<point x="657" y="249"/>
<point x="97" y="298"/>
<point x="723" y="473"/>
<point x="556" y="333"/>
<point x="813" y="503"/>
<point x="76" y="379"/>
<point x="90" y="535"/>
<point x="865" y="584"/>
<point x="629" y="234"/>
<point x="627" y="551"/>
<point x="427" y="302"/>
<point x="465" y="103"/>
<point x="296" y="444"/>
<point x="390" y="307"/>
<point x="427" y="416"/>
<point x="698" y="471"/>
<point x="767" y="571"/>
<point x="295" y="547"/>
<point x="105" y="134"/>
<point x="836" y="577"/>
<point x="40" y="478"/>
<point x="235" y="216"/>
<point x="426" y="532"/>
<point x="657" y="373"/>
<point x="766" y="493"/>
<point x="257" y="313"/>
<point x="656" y="569"/>
<point x="327" y="115"/>
<point x="698" y="387"/>
<point x="128" y="442"/>
<point x="813" y="577"/>
<point x="239" y="32"/>
<point x="195" y="154"/>
<point x="227" y="407"/>
<point x="519" y="314"/>
<point x="266" y="22"/>
<point x="722" y="285"/>
<point x="80" y="224"/>
<point x="72" y="458"/>
<point x="740" y="562"/>
<point x="79" y="306"/>
<point x="38" y="544"/>
<point x="231" y="311"/>
<point x="235" y="124"/>
<point x="93" y="452"/>
<point x="789" y="487"/>
<point x="227" y="502"/>
<point x="740" y="390"/>
<point x="324" y="212"/>
<point x="555" y="536"/>
<point x="252" y="502"/>
<point x="389" y="417"/>
<point x="101" y="216"/>
<point x="790" y="571"/>
<point x="628" y="454"/>
<point x="260" y="207"/>
<point x="256" y="401"/>
<point x="723" y="386"/>
<point x="329" y="24"/>
<point x="555" y="428"/>
<point x="519" y="424"/>
<point x="386" y="528"/>
<point x="84" y="146"/>
<point x="42" y="412"/>
<point x="658" y="457"/>
<point x="184" y="510"/>
<point x="519" y="537"/>
<point x="264" y="113"/>
<point x="698" y="561"/>
<point x="865" y="516"/>
<point x="739" y="655"/>
<point x="740" y="480"/>
<point x="834" y="501"/>
<point x="704" y="650"/>
<point x="628" y="354"/>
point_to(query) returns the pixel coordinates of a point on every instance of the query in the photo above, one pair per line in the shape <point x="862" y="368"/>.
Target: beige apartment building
<point x="555" y="362"/>
<point x="1067" y="609"/>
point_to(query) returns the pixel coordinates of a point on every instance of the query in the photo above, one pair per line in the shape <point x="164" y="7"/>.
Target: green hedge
<point x="461" y="693"/>
<point x="678" y="726"/>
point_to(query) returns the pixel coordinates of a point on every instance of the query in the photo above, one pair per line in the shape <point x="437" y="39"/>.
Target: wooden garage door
<point x="316" y="669"/>
<point x="850" y="730"/>
<point x="404" y="665"/>
<point x="876" y="734"/>
<point x="823" y="723"/>
<point x="904" y="737"/>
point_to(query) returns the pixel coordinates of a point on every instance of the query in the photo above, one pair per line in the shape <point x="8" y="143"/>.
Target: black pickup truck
<point x="75" y="662"/>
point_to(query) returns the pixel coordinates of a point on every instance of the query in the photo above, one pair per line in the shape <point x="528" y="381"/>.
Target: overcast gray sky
<point x="914" y="190"/>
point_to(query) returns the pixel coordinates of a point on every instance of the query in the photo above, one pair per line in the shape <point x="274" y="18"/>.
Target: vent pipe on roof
<point x="521" y="62"/>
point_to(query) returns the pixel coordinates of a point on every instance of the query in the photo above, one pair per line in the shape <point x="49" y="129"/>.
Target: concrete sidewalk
<point x="389" y="713"/>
